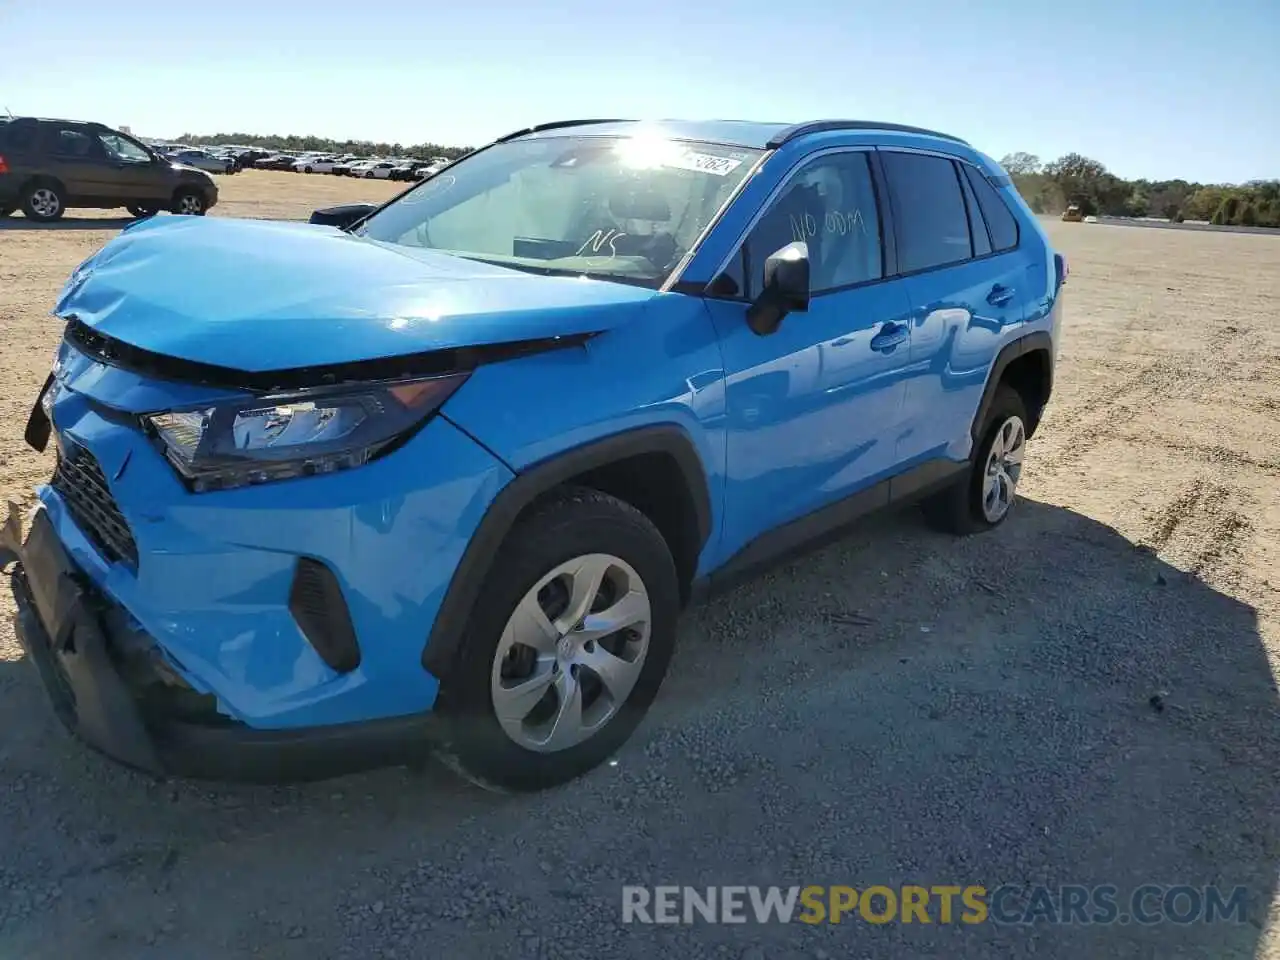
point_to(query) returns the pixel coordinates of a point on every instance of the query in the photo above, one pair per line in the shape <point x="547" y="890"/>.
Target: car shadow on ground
<point x="1045" y="704"/>
<point x="66" y="223"/>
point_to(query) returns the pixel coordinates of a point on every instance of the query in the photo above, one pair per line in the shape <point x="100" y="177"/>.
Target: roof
<point x="738" y="133"/>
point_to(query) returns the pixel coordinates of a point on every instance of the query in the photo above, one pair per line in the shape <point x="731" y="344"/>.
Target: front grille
<point x="80" y="482"/>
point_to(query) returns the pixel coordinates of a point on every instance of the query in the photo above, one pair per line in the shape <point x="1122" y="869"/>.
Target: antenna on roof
<point x="9" y="112"/>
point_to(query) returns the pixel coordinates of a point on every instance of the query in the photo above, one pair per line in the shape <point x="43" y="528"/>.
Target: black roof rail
<point x="555" y="125"/>
<point x="822" y="126"/>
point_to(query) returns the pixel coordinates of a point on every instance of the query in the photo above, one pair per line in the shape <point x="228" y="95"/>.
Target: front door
<point x="135" y="174"/>
<point x="813" y="408"/>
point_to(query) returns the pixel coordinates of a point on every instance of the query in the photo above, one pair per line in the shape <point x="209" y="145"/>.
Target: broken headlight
<point x="260" y="439"/>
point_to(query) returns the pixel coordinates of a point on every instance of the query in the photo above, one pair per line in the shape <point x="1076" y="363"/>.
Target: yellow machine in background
<point x="1072" y="214"/>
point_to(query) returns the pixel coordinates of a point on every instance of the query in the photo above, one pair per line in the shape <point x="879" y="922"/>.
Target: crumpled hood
<point x="258" y="295"/>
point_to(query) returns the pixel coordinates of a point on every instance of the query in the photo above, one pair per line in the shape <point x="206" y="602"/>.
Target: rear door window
<point x="69" y="142"/>
<point x="1000" y="222"/>
<point x="929" y="212"/>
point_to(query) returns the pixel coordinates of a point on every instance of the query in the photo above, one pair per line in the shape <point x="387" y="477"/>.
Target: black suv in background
<point x="48" y="166"/>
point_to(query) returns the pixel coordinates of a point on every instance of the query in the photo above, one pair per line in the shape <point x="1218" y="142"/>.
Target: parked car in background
<point x="404" y="171"/>
<point x="323" y="498"/>
<point x="202" y="160"/>
<point x="250" y="157"/>
<point x="358" y="167"/>
<point x="280" y="161"/>
<point x="50" y="166"/>
<point x="378" y="170"/>
<point x="315" y="165"/>
<point x="343" y="167"/>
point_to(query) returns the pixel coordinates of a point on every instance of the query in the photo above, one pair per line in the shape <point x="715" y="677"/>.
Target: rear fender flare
<point x="1038" y="340"/>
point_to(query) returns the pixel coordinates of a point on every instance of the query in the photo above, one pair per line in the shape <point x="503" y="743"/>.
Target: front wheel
<point x="189" y="202"/>
<point x="985" y="495"/>
<point x="566" y="647"/>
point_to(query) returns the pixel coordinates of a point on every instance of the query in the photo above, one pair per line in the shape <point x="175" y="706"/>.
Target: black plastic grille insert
<point x="79" y="480"/>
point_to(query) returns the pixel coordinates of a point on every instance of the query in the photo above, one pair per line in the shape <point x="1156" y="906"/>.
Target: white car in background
<point x="379" y="169"/>
<point x="359" y="167"/>
<point x="316" y="164"/>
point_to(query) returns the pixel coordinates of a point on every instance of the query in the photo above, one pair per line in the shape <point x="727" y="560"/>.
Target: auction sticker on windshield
<point x="704" y="163"/>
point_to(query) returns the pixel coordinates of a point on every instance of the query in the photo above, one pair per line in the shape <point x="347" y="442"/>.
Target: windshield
<point x="622" y="208"/>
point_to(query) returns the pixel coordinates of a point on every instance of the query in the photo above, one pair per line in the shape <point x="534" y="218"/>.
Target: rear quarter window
<point x="16" y="136"/>
<point x="1001" y="224"/>
<point x="931" y="220"/>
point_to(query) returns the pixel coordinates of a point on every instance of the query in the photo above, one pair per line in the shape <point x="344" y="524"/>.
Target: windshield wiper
<point x="538" y="271"/>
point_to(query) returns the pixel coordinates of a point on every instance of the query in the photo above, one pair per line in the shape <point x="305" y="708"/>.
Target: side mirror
<point x="786" y="288"/>
<point x="343" y="216"/>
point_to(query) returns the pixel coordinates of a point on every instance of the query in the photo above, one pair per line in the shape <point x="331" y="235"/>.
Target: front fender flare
<point x="444" y="643"/>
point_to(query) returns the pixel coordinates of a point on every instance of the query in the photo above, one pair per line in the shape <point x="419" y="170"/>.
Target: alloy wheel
<point x="45" y="202"/>
<point x="1003" y="469"/>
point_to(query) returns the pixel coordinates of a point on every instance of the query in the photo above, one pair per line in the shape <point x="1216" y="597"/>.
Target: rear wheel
<point x="985" y="496"/>
<point x="567" y="645"/>
<point x="44" y="202"/>
<point x="189" y="202"/>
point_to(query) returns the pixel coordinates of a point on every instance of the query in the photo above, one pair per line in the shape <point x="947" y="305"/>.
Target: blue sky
<point x="1156" y="89"/>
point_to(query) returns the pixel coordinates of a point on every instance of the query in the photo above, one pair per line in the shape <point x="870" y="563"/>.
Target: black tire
<point x="959" y="508"/>
<point x="369" y="175"/>
<point x="189" y="202"/>
<point x="44" y="201"/>
<point x="307" y="170"/>
<point x="141" y="211"/>
<point x="572" y="523"/>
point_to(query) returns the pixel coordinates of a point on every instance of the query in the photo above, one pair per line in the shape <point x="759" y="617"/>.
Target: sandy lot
<point x="985" y="718"/>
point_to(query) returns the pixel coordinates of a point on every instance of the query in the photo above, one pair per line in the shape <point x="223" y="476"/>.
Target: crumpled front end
<point x="264" y="630"/>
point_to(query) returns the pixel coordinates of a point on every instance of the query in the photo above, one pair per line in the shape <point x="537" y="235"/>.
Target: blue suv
<point x="443" y="477"/>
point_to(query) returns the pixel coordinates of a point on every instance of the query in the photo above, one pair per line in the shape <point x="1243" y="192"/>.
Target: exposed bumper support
<point x="61" y="628"/>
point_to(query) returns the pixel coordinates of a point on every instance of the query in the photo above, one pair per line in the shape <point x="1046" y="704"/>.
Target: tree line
<point x="1050" y="187"/>
<point x="1047" y="187"/>
<point x="295" y="143"/>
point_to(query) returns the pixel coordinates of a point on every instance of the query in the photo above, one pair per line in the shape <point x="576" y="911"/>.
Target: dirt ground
<point x="1086" y="696"/>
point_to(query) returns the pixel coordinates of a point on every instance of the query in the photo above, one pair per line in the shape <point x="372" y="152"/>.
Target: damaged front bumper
<point x="111" y="687"/>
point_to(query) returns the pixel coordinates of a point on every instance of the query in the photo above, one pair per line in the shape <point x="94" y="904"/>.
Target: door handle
<point x="1000" y="295"/>
<point x="891" y="335"/>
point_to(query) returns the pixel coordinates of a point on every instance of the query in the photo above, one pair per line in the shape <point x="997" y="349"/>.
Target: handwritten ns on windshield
<point x="602" y="243"/>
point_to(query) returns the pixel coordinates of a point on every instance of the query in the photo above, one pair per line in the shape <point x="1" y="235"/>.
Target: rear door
<point x="79" y="160"/>
<point x="965" y="281"/>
